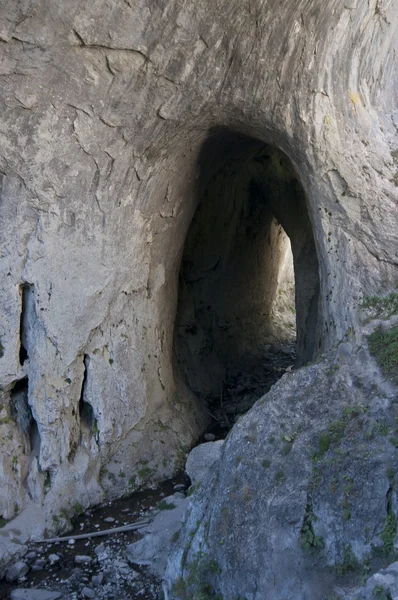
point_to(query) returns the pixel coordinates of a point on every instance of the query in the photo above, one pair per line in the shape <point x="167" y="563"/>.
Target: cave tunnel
<point x="248" y="303"/>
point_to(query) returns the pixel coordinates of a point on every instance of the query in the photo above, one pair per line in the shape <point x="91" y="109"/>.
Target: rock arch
<point x="236" y="286"/>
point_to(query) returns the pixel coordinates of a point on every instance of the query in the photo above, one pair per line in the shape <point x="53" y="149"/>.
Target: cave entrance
<point x="248" y="305"/>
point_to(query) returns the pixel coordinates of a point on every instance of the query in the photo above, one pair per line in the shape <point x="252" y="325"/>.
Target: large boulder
<point x="303" y="500"/>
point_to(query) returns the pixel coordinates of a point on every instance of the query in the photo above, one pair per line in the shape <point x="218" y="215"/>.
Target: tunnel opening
<point x="248" y="301"/>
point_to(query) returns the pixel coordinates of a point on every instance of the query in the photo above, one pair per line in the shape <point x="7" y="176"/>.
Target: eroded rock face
<point x="106" y="110"/>
<point x="304" y="500"/>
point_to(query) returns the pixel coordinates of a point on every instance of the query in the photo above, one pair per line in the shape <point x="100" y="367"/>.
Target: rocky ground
<point x="97" y="567"/>
<point x="103" y="567"/>
<point x="243" y="388"/>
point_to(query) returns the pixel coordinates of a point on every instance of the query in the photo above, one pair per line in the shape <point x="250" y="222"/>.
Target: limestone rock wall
<point x="105" y="107"/>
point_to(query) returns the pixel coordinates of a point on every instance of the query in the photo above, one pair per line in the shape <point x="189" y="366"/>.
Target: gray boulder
<point x="201" y="458"/>
<point x="383" y="585"/>
<point x="16" y="571"/>
<point x="153" y="549"/>
<point x="302" y="496"/>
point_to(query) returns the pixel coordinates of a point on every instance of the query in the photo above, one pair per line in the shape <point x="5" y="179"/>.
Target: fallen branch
<point x="84" y="536"/>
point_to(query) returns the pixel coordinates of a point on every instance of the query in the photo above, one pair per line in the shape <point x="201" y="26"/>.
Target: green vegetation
<point x="63" y="513"/>
<point x="383" y="428"/>
<point x="163" y="505"/>
<point x="379" y="592"/>
<point x="381" y="306"/>
<point x="197" y="585"/>
<point x="389" y="532"/>
<point x="6" y="420"/>
<point x="145" y="472"/>
<point x="193" y="489"/>
<point x="1" y="350"/>
<point x="336" y="430"/>
<point x="280" y="477"/>
<point x="78" y="508"/>
<point x="175" y="537"/>
<point x="349" y="561"/>
<point x="3" y="522"/>
<point x="384" y="347"/>
<point x="324" y="443"/>
<point x="266" y="463"/>
<point x="310" y="541"/>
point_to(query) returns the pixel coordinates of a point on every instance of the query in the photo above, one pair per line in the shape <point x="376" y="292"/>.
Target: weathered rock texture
<point x="303" y="501"/>
<point x="116" y="119"/>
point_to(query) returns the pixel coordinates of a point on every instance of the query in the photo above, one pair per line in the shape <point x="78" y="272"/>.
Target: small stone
<point x="30" y="556"/>
<point x="71" y="542"/>
<point x="179" y="487"/>
<point x="41" y="562"/>
<point x="53" y="558"/>
<point x="88" y="592"/>
<point x="209" y="437"/>
<point x="100" y="549"/>
<point x="109" y="520"/>
<point x="82" y="559"/>
<point x="97" y="580"/>
<point x="16" y="571"/>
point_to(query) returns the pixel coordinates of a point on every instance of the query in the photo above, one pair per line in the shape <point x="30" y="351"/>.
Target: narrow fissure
<point x="22" y="414"/>
<point x="85" y="409"/>
<point x="27" y="304"/>
<point x="248" y="307"/>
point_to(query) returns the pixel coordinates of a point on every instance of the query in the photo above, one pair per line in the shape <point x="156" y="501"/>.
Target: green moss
<point x="64" y="514"/>
<point x="279" y="477"/>
<point x="1" y="350"/>
<point x="346" y="514"/>
<point x="145" y="472"/>
<point x="384" y="347"/>
<point x="163" y="505"/>
<point x="197" y="585"/>
<point x="193" y="489"/>
<point x="379" y="592"/>
<point x="381" y="306"/>
<point x="349" y="561"/>
<point x="383" y="428"/>
<point x="266" y="463"/>
<point x="78" y="508"/>
<point x="310" y="541"/>
<point x="6" y="420"/>
<point x="175" y="537"/>
<point x="389" y="532"/>
<point x="324" y="443"/>
<point x="337" y="429"/>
